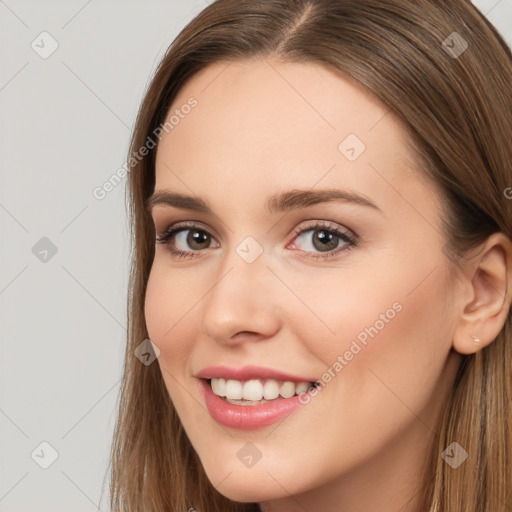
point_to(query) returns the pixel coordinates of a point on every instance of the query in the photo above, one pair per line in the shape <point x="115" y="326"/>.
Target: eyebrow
<point x="280" y="202"/>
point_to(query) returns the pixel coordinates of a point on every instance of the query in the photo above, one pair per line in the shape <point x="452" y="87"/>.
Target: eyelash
<point x="352" y="241"/>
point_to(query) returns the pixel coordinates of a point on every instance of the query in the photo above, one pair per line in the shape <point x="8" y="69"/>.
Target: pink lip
<point x="247" y="417"/>
<point x="248" y="373"/>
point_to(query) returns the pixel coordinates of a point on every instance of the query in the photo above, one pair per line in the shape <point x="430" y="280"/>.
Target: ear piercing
<point x="475" y="339"/>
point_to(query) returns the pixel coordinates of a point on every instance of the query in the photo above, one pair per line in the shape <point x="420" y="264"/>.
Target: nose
<point x="243" y="302"/>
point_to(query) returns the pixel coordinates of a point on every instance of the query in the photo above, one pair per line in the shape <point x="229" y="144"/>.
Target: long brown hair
<point x="457" y="110"/>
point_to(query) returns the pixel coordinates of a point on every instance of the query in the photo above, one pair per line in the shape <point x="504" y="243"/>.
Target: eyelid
<point x="296" y="231"/>
<point x="186" y="224"/>
<point x="326" y="224"/>
<point x="348" y="236"/>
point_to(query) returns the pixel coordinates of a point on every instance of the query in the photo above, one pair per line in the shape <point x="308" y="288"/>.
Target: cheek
<point x="168" y="308"/>
<point x="388" y="308"/>
<point x="344" y="314"/>
<point x="170" y="320"/>
<point x="386" y="345"/>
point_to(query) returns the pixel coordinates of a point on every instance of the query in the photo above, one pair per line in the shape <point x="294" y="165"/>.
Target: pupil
<point x="196" y="236"/>
<point x="325" y="238"/>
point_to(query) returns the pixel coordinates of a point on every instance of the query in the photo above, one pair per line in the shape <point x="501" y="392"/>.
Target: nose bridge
<point x="241" y="298"/>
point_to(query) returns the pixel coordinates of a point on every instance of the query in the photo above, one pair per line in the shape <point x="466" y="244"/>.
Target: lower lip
<point x="247" y="417"/>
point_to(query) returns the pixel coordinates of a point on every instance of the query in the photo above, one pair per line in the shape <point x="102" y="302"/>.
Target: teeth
<point x="256" y="390"/>
<point x="287" y="390"/>
<point x="271" y="389"/>
<point x="252" y="390"/>
<point x="301" y="387"/>
<point x="218" y="386"/>
<point x="234" y="389"/>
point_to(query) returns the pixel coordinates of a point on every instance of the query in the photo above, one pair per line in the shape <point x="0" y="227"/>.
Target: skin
<point x="264" y="126"/>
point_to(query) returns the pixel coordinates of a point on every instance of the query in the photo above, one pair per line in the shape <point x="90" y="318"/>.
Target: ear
<point x="486" y="306"/>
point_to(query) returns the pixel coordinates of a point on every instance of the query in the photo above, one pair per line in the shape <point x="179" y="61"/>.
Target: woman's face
<point x="355" y="293"/>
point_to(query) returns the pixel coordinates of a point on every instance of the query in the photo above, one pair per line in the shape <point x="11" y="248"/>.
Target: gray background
<point x="65" y="123"/>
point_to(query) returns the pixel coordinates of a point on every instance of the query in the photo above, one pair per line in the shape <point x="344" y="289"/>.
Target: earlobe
<point x="490" y="283"/>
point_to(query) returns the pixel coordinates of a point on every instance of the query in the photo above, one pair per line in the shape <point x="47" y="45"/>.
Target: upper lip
<point x="247" y="373"/>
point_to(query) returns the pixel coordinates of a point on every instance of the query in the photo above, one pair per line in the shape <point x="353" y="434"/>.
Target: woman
<point x="322" y="261"/>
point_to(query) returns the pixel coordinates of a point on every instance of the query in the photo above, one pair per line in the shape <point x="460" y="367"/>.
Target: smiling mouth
<point x="257" y="391"/>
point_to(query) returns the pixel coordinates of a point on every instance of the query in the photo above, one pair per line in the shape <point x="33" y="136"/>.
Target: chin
<point x="247" y="485"/>
<point x="245" y="492"/>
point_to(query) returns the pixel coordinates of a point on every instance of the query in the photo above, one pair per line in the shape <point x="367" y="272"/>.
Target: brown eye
<point x="323" y="240"/>
<point x="197" y="239"/>
<point x="185" y="240"/>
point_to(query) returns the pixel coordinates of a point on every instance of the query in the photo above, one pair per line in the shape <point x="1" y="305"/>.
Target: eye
<point x="187" y="235"/>
<point x="326" y="238"/>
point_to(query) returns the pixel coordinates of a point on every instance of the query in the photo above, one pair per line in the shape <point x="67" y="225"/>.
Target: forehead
<point x="278" y="104"/>
<point x="262" y="122"/>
